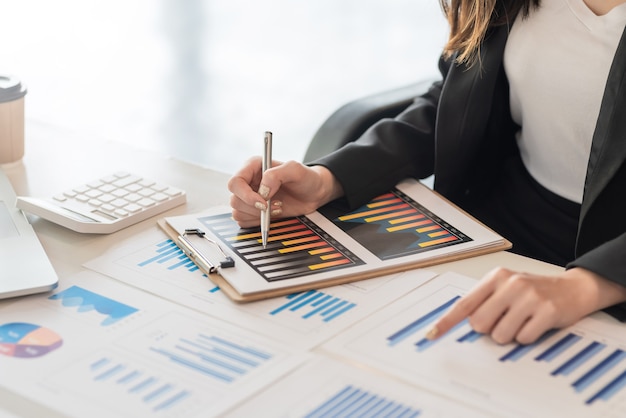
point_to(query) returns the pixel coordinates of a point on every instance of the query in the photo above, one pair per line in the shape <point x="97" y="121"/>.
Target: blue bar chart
<point x="170" y="256"/>
<point x="316" y="304"/>
<point x="214" y="357"/>
<point x="150" y="390"/>
<point x="579" y="364"/>
<point x="86" y="301"/>
<point x="352" y="401"/>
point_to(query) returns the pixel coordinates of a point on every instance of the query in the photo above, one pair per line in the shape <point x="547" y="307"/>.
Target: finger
<point x="279" y="174"/>
<point x="465" y="306"/>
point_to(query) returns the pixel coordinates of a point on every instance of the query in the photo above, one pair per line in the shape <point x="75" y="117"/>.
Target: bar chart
<point x="579" y="364"/>
<point x="319" y="303"/>
<point x="324" y="387"/>
<point x="296" y="247"/>
<point x="394" y="225"/>
<point x="86" y="301"/>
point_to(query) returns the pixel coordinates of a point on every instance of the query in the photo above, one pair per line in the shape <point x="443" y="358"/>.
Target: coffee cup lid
<point x="11" y="88"/>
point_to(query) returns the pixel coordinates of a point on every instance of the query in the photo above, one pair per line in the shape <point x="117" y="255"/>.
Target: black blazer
<point x="461" y="130"/>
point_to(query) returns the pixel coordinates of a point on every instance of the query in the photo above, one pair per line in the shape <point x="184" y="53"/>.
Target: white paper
<point x="290" y="319"/>
<point x="531" y="380"/>
<point x="324" y="387"/>
<point x="98" y="348"/>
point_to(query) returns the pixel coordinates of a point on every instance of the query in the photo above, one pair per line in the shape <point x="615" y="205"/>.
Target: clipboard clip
<point x="197" y="257"/>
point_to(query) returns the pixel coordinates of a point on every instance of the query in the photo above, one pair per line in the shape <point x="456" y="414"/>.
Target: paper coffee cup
<point x="12" y="94"/>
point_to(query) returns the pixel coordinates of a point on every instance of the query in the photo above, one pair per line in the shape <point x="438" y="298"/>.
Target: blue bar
<point x="360" y="411"/>
<point x="174" y="399"/>
<point x="520" y="350"/>
<point x="179" y="264"/>
<point x="347" y="407"/>
<point x="319" y="308"/>
<point x="158" y="392"/>
<point x="215" y="289"/>
<point x="306" y="301"/>
<point x="323" y="409"/>
<point x="100" y="363"/>
<point x="246" y="350"/>
<point x="232" y="356"/>
<point x="609" y="390"/>
<point x="175" y="253"/>
<point x="156" y="258"/>
<point x="112" y="371"/>
<point x="563" y="344"/>
<point x="425" y="343"/>
<point x="332" y="308"/>
<point x="320" y="301"/>
<point x="592" y="375"/>
<point x="292" y="302"/>
<point x="212" y="360"/>
<point x="197" y="367"/>
<point x="420" y="322"/>
<point x="130" y="376"/>
<point x="470" y="337"/>
<point x="339" y="312"/>
<point x="139" y="387"/>
<point x="576" y="361"/>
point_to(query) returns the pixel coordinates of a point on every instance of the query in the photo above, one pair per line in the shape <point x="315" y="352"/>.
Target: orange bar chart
<point x="394" y="225"/>
<point x="296" y="247"/>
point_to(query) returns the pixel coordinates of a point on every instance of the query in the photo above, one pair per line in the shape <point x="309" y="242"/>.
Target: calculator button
<point x="95" y="184"/>
<point x="121" y="174"/>
<point x="123" y="182"/>
<point x="170" y="191"/>
<point x="159" y="197"/>
<point x="119" y="203"/>
<point x="107" y="207"/>
<point x="121" y="212"/>
<point x="119" y="192"/>
<point x="80" y="189"/>
<point x="134" y="188"/>
<point x="132" y="208"/>
<point x="107" y="188"/>
<point x="132" y="197"/>
<point x="158" y="187"/>
<point x="69" y="193"/>
<point x="146" y="192"/>
<point x="106" y="198"/>
<point x="146" y="183"/>
<point x="94" y="202"/>
<point x="93" y="193"/>
<point x="60" y="198"/>
<point x="145" y="202"/>
<point x="82" y="198"/>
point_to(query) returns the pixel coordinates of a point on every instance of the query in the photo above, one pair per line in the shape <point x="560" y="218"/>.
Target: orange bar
<point x="274" y="231"/>
<point x="285" y="222"/>
<point x="390" y="215"/>
<point x="385" y="202"/>
<point x="300" y="240"/>
<point x="329" y="264"/>
<point x="409" y="226"/>
<point x="406" y="219"/>
<point x="438" y="234"/>
<point x="302" y="247"/>
<point x="372" y="212"/>
<point x="321" y="250"/>
<point x="331" y="256"/>
<point x="245" y="236"/>
<point x="384" y="196"/>
<point x="439" y="241"/>
<point x="294" y="235"/>
<point x="429" y="228"/>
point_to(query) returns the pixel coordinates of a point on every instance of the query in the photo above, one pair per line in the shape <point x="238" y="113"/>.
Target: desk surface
<point x="55" y="159"/>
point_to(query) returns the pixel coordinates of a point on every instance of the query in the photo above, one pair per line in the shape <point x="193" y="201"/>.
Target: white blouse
<point x="557" y="62"/>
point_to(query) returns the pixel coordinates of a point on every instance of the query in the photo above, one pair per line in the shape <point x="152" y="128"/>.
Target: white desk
<point x="56" y="159"/>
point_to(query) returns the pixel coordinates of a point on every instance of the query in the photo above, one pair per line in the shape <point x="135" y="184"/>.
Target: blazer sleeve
<point x="609" y="261"/>
<point x="390" y="150"/>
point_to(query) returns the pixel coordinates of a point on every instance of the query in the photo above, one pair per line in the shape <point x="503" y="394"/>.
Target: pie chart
<point x="23" y="340"/>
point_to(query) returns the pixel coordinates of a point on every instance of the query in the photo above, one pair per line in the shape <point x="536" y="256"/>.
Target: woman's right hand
<point x="293" y="188"/>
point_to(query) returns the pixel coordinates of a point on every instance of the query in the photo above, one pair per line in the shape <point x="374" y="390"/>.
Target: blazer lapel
<point x="608" y="149"/>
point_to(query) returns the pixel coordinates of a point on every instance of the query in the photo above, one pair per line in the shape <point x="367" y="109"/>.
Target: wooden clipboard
<point x="232" y="293"/>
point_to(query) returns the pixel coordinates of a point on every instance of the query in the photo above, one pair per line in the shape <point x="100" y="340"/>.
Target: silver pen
<point x="267" y="163"/>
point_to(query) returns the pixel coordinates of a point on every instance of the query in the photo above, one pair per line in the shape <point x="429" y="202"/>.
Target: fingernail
<point x="432" y="334"/>
<point x="277" y="203"/>
<point x="277" y="212"/>
<point x="260" y="205"/>
<point x="264" y="191"/>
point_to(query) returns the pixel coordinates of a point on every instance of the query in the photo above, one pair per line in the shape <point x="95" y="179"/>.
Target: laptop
<point x="24" y="265"/>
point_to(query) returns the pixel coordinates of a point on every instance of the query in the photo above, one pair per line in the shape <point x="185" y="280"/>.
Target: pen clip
<point x="197" y="257"/>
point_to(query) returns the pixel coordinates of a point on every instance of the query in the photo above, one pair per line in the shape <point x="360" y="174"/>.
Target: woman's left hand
<point x="512" y="306"/>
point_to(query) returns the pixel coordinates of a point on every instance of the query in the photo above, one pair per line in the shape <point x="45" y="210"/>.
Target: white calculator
<point x="107" y="204"/>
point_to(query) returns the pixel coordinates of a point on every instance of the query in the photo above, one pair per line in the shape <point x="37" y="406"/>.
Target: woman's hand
<point x="293" y="188"/>
<point x="521" y="307"/>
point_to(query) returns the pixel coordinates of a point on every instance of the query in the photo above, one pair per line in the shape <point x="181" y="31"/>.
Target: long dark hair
<point x="470" y="19"/>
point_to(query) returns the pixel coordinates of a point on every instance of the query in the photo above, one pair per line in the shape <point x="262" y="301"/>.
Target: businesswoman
<point x="527" y="132"/>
